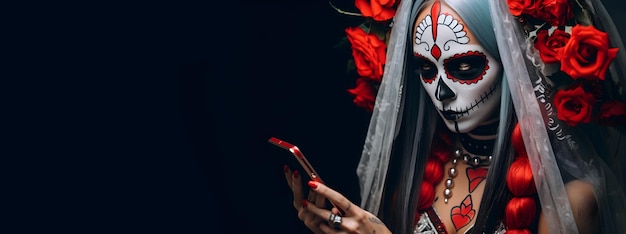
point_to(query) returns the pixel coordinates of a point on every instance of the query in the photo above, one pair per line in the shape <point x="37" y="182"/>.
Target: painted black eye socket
<point x="467" y="67"/>
<point x="425" y="68"/>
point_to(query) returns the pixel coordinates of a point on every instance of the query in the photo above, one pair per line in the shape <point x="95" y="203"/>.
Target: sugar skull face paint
<point x="460" y="76"/>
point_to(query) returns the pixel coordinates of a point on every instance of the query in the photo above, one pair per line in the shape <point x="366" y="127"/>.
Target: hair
<point x="418" y="155"/>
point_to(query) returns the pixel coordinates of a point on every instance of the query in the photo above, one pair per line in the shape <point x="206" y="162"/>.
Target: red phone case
<point x="303" y="161"/>
<point x="299" y="157"/>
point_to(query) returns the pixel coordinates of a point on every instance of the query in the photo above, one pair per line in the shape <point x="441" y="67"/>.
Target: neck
<point x="480" y="141"/>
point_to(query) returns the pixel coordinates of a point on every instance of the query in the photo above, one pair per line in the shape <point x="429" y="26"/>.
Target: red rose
<point x="612" y="113"/>
<point x="365" y="93"/>
<point x="555" y="12"/>
<point x="379" y="10"/>
<point x="574" y="105"/>
<point x="587" y="53"/>
<point x="519" y="7"/>
<point x="549" y="45"/>
<point x="368" y="52"/>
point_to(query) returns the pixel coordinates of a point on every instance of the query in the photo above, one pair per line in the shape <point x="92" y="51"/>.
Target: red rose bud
<point x="379" y="10"/>
<point x="612" y="113"/>
<point x="555" y="12"/>
<point x="587" y="54"/>
<point x="574" y="105"/>
<point x="368" y="51"/>
<point x="519" y="7"/>
<point x="365" y="94"/>
<point x="548" y="46"/>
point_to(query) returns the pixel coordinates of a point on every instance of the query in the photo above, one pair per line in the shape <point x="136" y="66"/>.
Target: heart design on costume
<point x="475" y="176"/>
<point x="463" y="214"/>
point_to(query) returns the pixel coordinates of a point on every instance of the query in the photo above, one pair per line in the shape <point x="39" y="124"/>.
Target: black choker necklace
<point x="477" y="147"/>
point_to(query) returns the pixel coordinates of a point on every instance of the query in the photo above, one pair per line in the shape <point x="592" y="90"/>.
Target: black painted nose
<point x="443" y="91"/>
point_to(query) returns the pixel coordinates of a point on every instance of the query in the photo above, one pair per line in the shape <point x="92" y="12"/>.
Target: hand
<point x="310" y="219"/>
<point x="315" y="217"/>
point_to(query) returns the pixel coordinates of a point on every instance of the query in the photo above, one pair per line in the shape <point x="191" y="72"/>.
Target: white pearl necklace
<point x="473" y="161"/>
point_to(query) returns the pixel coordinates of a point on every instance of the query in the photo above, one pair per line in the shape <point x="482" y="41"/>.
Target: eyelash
<point x="476" y="61"/>
<point x="427" y="75"/>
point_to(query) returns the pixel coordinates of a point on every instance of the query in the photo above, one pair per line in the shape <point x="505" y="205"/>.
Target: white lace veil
<point x="570" y="153"/>
<point x="372" y="168"/>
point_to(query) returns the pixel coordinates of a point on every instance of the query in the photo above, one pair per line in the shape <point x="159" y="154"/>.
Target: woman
<point x="458" y="143"/>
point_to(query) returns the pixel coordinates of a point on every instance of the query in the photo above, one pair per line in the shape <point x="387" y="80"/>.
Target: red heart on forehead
<point x="463" y="214"/>
<point x="475" y="176"/>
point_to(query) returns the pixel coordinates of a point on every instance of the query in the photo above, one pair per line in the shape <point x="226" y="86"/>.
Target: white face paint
<point x="459" y="75"/>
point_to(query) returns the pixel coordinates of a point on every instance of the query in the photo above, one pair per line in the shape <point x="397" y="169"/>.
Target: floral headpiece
<point x="574" y="55"/>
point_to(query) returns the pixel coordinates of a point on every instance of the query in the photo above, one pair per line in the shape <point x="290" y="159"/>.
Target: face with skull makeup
<point x="460" y="76"/>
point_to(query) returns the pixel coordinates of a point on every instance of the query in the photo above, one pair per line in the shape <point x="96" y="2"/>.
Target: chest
<point x="458" y="196"/>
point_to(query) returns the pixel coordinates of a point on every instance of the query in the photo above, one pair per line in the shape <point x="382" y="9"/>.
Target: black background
<point x="154" y="117"/>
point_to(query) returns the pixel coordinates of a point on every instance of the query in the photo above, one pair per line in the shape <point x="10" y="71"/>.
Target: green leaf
<point x="343" y="42"/>
<point x="350" y="66"/>
<point x="561" y="80"/>
<point x="582" y="15"/>
<point x="365" y="26"/>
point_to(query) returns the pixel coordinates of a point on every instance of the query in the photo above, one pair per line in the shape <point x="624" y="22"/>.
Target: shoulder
<point x="581" y="197"/>
<point x="584" y="207"/>
<point x="582" y="200"/>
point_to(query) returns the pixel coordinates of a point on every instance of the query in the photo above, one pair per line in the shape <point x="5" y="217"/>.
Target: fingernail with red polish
<point x="313" y="184"/>
<point x="304" y="203"/>
<point x="296" y="173"/>
<point x="285" y="168"/>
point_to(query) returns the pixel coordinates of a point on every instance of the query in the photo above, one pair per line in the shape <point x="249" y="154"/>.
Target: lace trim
<point x="424" y="225"/>
<point x="429" y="223"/>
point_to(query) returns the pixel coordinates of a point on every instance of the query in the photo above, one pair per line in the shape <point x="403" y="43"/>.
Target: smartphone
<point x="297" y="154"/>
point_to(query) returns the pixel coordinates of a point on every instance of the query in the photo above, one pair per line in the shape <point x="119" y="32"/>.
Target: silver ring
<point x="335" y="220"/>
